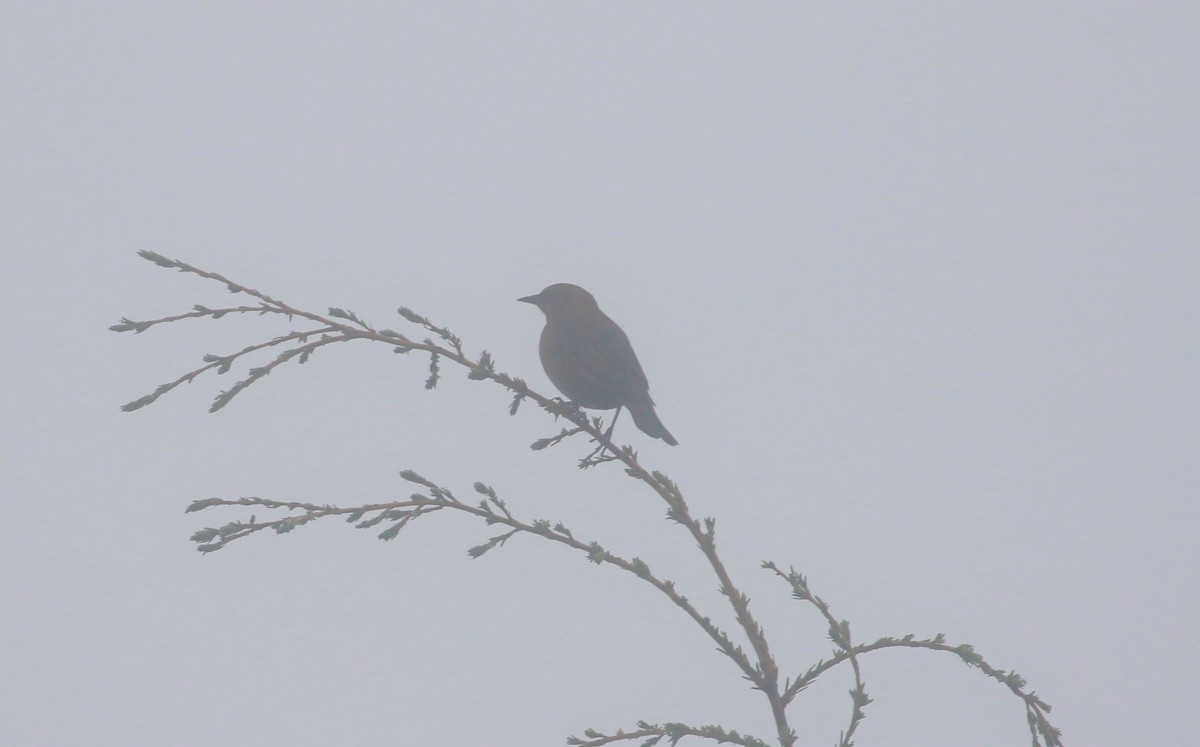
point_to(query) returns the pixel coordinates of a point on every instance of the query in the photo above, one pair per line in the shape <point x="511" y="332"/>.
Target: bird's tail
<point x="646" y="419"/>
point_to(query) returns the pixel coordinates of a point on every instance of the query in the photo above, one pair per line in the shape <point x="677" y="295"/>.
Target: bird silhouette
<point x="589" y="358"/>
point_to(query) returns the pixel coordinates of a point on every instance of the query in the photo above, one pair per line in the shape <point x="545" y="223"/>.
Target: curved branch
<point x="839" y="633"/>
<point x="1035" y="708"/>
<point x="492" y="510"/>
<point x="764" y="673"/>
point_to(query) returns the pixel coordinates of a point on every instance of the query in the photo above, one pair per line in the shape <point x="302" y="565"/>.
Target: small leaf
<point x="478" y="550"/>
<point x="208" y="534"/>
<point x="411" y="476"/>
<point x="596" y="553"/>
<point x="410" y="315"/>
<point x="158" y="259"/>
<point x="432" y="381"/>
<point x="137" y="404"/>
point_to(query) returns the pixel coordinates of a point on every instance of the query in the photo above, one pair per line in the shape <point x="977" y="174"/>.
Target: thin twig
<point x="839" y="633"/>
<point x="673" y="731"/>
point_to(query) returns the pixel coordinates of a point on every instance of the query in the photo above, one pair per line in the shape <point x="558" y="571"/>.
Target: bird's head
<point x="562" y="298"/>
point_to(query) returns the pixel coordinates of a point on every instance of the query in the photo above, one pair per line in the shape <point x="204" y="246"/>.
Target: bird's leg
<point x="613" y="424"/>
<point x="607" y="438"/>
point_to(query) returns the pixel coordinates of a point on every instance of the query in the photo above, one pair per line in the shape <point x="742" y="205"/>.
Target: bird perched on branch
<point x="589" y="358"/>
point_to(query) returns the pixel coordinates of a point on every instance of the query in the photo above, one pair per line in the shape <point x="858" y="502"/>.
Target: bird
<point x="589" y="359"/>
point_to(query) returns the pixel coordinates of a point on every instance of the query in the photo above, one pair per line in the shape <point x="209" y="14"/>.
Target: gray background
<point x="915" y="285"/>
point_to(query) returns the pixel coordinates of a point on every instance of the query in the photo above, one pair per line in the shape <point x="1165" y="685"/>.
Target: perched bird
<point x="589" y="358"/>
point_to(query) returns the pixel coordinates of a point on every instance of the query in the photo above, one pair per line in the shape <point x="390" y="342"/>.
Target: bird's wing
<point x="591" y="361"/>
<point x="610" y="357"/>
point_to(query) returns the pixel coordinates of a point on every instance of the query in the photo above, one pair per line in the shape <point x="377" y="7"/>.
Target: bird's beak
<point x="531" y="299"/>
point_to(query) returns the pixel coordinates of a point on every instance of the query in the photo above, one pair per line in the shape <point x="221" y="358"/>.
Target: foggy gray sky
<point x="914" y="284"/>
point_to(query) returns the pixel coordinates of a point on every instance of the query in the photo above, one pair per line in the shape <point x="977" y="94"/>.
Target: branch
<point x="1042" y="731"/>
<point x="672" y="731"/>
<point x="400" y="513"/>
<point x="340" y="325"/>
<point x="343" y="326"/>
<point x="839" y="633"/>
<point x="223" y="363"/>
